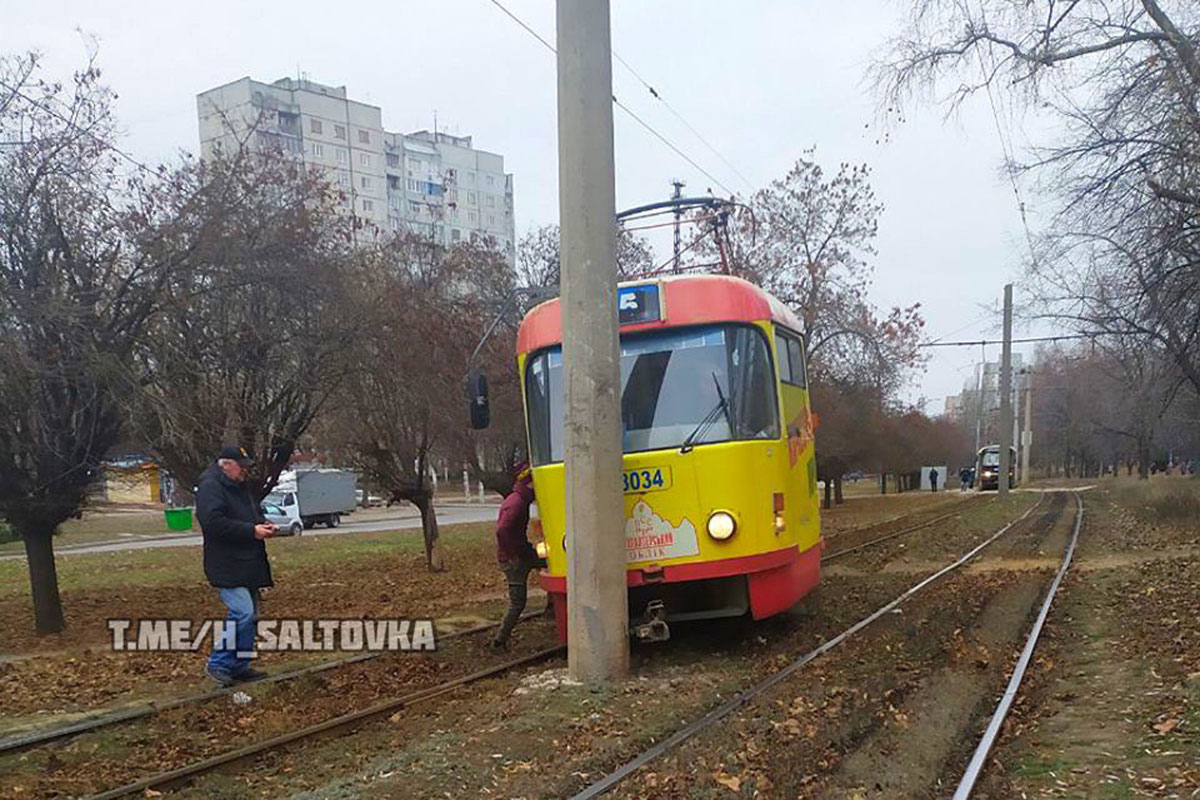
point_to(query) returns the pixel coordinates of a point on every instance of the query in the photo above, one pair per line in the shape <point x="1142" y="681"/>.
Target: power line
<point x="618" y="103"/>
<point x="978" y="342"/>
<point x="678" y="116"/>
<point x="665" y="141"/>
<point x="971" y="324"/>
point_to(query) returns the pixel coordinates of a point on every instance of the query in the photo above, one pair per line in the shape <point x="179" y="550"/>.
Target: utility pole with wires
<point x="597" y="599"/>
<point x="1027" y="434"/>
<point x="1006" y="410"/>
<point x="678" y="184"/>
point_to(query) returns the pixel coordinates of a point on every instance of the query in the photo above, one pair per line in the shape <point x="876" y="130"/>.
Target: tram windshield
<point x="712" y="383"/>
<point x="990" y="458"/>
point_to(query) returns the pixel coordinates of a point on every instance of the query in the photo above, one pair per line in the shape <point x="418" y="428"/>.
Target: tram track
<point x="1042" y="525"/>
<point x="36" y="738"/>
<point x="978" y="760"/>
<point x="16" y="744"/>
<point x="352" y="720"/>
<point x="176" y="776"/>
<point x="958" y="508"/>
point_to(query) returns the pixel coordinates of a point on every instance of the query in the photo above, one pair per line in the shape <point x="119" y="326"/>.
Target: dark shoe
<point x="249" y="674"/>
<point x="498" y="647"/>
<point x="221" y="676"/>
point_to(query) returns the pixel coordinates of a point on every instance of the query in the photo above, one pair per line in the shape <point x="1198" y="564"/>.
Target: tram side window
<point x="791" y="365"/>
<point x="543" y="382"/>
<point x="750" y="366"/>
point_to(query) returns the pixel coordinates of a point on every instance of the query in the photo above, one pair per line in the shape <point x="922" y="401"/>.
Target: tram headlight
<point x="721" y="525"/>
<point x="540" y="549"/>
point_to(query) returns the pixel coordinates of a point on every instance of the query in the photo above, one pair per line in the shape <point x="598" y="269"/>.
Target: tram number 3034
<point x="646" y="480"/>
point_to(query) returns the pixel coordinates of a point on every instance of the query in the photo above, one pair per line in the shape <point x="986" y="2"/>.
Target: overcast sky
<point x="761" y="80"/>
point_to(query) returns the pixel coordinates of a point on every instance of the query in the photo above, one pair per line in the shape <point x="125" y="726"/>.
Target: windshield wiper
<point x="706" y="422"/>
<point x="724" y="404"/>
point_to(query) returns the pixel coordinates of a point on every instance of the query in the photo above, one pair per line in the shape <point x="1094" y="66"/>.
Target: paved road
<point x="447" y="515"/>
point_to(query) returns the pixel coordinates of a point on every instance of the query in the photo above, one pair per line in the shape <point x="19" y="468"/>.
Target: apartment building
<point x="427" y="182"/>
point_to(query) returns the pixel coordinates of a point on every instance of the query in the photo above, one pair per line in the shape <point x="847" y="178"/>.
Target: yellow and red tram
<point x="719" y="466"/>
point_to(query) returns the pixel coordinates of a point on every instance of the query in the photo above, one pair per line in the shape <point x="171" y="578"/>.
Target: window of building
<point x="412" y="185"/>
<point x="393" y="183"/>
<point x="364" y="160"/>
<point x="364" y="137"/>
<point x="491" y="180"/>
<point x="471" y="178"/>
<point x="368" y="205"/>
<point x="317" y="150"/>
<point x="473" y="217"/>
<point x="364" y="182"/>
<point x="455" y="234"/>
<point x="314" y="125"/>
<point x="395" y="203"/>
<point x="492" y="220"/>
<point x="414" y="208"/>
<point x="471" y="198"/>
<point x="343" y="180"/>
<point x="341" y="156"/>
<point x="339" y="131"/>
<point x="491" y="201"/>
<point x="414" y="163"/>
<point x="393" y="160"/>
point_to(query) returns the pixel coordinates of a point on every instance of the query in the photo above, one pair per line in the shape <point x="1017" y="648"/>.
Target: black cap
<point x="235" y="453"/>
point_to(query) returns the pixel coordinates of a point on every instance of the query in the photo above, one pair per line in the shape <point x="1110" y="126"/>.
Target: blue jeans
<point x="234" y="657"/>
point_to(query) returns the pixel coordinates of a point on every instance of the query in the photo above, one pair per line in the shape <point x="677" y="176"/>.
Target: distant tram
<point x="720" y="476"/>
<point x="987" y="467"/>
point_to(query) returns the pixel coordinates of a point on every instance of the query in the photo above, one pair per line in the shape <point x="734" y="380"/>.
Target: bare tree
<point x="250" y="344"/>
<point x="1122" y="79"/>
<point x="808" y="239"/>
<point x="538" y="256"/>
<point x="74" y="297"/>
<point x="402" y="402"/>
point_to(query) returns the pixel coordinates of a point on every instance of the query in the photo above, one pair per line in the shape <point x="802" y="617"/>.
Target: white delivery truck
<point x="315" y="496"/>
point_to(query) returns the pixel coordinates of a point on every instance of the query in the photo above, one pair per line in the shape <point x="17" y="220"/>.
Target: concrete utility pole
<point x="1006" y="393"/>
<point x="979" y="405"/>
<point x="1016" y="426"/>
<point x="1027" y="434"/>
<point x="597" y="600"/>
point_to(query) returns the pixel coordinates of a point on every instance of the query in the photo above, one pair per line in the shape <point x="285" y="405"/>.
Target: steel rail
<point x="903" y="532"/>
<point x="897" y="518"/>
<point x="713" y="716"/>
<point x="975" y="767"/>
<point x="28" y="740"/>
<point x="350" y="720"/>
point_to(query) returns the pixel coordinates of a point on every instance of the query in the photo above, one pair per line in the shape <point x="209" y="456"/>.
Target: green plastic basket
<point x="178" y="519"/>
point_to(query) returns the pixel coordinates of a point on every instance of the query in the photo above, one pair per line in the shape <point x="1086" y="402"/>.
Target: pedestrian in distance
<point x="515" y="554"/>
<point x="235" y="560"/>
<point x="964" y="478"/>
<point x="933" y="479"/>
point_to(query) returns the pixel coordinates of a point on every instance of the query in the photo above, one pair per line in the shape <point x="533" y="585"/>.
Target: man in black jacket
<point x="235" y="559"/>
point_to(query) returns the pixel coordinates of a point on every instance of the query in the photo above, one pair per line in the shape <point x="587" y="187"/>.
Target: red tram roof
<point x="687" y="300"/>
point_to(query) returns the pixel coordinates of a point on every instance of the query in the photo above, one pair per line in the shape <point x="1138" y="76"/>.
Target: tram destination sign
<point x="639" y="304"/>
